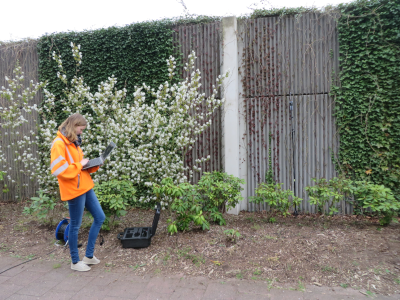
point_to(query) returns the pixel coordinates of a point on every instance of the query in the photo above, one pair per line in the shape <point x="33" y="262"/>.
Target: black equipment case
<point x="140" y="237"/>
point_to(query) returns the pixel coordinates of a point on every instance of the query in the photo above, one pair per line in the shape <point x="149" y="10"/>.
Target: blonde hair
<point x="68" y="126"/>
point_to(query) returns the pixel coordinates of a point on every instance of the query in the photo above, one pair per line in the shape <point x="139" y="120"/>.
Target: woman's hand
<point x="84" y="161"/>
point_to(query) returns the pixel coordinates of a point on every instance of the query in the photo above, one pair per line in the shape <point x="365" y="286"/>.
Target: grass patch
<point x="257" y="272"/>
<point x="328" y="269"/>
<point x="196" y="259"/>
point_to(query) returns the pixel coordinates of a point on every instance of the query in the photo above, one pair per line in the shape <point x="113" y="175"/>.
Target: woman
<point x="76" y="187"/>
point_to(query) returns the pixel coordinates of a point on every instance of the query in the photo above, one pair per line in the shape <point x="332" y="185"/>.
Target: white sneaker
<point x="80" y="266"/>
<point x="91" y="261"/>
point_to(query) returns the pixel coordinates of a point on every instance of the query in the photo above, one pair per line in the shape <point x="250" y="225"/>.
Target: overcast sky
<point x="33" y="18"/>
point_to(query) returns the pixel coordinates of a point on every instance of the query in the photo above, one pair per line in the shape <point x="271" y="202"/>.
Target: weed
<point x="254" y="278"/>
<point x="30" y="256"/>
<point x="15" y="255"/>
<point x="239" y="275"/>
<point x="109" y="265"/>
<point x="344" y="285"/>
<point x="257" y="272"/>
<point x="20" y="227"/>
<point x="270" y="237"/>
<point x="301" y="286"/>
<point x="328" y="269"/>
<point x="289" y="267"/>
<point x="301" y="277"/>
<point x="137" y="266"/>
<point x="250" y="219"/>
<point x="355" y="263"/>
<point x="256" y="227"/>
<point x="377" y="271"/>
<point x="273" y="258"/>
<point x="196" y="259"/>
<point x="370" y="293"/>
<point x="222" y="282"/>
<point x="3" y="247"/>
<point x="158" y="271"/>
<point x="56" y="266"/>
<point x="233" y="234"/>
<point x="272" y="220"/>
<point x="397" y="280"/>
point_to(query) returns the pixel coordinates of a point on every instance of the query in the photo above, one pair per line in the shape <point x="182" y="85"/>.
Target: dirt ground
<point x="345" y="251"/>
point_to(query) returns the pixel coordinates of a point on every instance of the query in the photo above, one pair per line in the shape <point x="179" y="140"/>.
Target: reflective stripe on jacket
<point x="66" y="166"/>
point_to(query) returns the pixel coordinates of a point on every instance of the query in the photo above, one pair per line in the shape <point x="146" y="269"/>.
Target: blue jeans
<point x="76" y="206"/>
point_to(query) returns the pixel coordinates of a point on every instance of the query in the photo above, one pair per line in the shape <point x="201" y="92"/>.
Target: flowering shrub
<point x="151" y="139"/>
<point x="15" y="99"/>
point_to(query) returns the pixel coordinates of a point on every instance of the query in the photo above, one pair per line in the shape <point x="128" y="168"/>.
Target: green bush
<point x="365" y="196"/>
<point x="326" y="194"/>
<point x="198" y="204"/>
<point x="115" y="196"/>
<point x="220" y="190"/>
<point x="184" y="204"/>
<point x="277" y="198"/>
<point x="42" y="207"/>
<point x="378" y="198"/>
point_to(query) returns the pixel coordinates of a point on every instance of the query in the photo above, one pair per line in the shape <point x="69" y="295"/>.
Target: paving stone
<point x="16" y="270"/>
<point x="105" y="279"/>
<point x="145" y="295"/>
<point x="188" y="293"/>
<point x="57" y="274"/>
<point x="74" y="282"/>
<point x="38" y="287"/>
<point x="7" y="262"/>
<point x="93" y="292"/>
<point x="245" y="296"/>
<point x="53" y="294"/>
<point x="22" y="297"/>
<point x="23" y="278"/>
<point x="115" y="298"/>
<point x="8" y="289"/>
<point x="40" y="266"/>
<point x="4" y="278"/>
<point x="162" y="285"/>
<point x="248" y="287"/>
<point x="125" y="289"/>
<point x="218" y="291"/>
<point x="193" y="282"/>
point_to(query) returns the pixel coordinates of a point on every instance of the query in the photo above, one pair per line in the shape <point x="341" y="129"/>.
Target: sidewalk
<point x="45" y="280"/>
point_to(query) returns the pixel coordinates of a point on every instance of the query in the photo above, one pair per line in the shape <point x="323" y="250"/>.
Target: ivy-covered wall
<point x="368" y="101"/>
<point x="134" y="54"/>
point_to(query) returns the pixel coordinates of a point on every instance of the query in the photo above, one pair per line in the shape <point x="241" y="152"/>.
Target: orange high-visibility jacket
<point x="66" y="166"/>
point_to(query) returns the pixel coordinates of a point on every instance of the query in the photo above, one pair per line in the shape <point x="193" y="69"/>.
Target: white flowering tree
<point x="151" y="139"/>
<point x="16" y="148"/>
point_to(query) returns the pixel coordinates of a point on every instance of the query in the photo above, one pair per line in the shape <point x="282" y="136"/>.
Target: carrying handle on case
<point x="155" y="220"/>
<point x="120" y="235"/>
